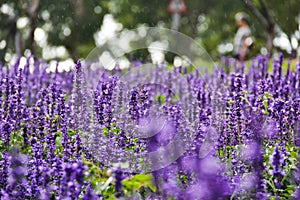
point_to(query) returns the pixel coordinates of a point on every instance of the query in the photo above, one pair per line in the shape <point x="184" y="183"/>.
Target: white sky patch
<point x="120" y="45"/>
<point x="31" y="65"/>
<point x="67" y="31"/>
<point x="40" y="36"/>
<point x="45" y="15"/>
<point x="125" y="38"/>
<point x="107" y="60"/>
<point x="48" y="53"/>
<point x="181" y="61"/>
<point x="225" y="48"/>
<point x="22" y="22"/>
<point x="65" y="65"/>
<point x="52" y="66"/>
<point x="156" y="49"/>
<point x="283" y="42"/>
<point x="23" y="62"/>
<point x="177" y="61"/>
<point x="108" y="30"/>
<point x="2" y="44"/>
<point x="7" y="9"/>
<point x="124" y="63"/>
<point x="294" y="42"/>
<point x="61" y="51"/>
<point x="54" y="52"/>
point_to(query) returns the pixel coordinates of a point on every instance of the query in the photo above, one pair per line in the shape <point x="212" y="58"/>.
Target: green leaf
<point x="138" y="181"/>
<point x="161" y="99"/>
<point x="105" y="131"/>
<point x="71" y="132"/>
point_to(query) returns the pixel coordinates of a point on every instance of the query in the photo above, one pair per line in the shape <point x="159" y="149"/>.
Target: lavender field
<point x="158" y="132"/>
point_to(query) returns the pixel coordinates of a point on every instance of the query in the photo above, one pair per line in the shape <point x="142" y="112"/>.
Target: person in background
<point x="242" y="39"/>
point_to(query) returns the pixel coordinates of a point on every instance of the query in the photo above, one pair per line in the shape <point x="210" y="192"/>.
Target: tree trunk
<point x="31" y="36"/>
<point x="32" y="12"/>
<point x="271" y="36"/>
<point x="18" y="44"/>
<point x="71" y="43"/>
<point x="266" y="18"/>
<point x="72" y="51"/>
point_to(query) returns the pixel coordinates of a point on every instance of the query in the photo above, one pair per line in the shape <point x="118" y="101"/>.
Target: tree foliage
<point x="73" y="23"/>
<point x="77" y="16"/>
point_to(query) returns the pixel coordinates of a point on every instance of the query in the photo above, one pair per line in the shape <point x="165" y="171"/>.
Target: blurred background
<point x="67" y="30"/>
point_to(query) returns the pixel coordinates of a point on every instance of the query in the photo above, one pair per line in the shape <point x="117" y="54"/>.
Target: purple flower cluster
<point x="40" y="151"/>
<point x="222" y="135"/>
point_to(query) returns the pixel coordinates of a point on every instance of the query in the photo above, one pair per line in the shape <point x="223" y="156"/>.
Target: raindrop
<point x="97" y="9"/>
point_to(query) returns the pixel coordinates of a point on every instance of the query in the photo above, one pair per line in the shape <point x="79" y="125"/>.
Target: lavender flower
<point x="222" y="126"/>
<point x="278" y="161"/>
<point x="119" y="176"/>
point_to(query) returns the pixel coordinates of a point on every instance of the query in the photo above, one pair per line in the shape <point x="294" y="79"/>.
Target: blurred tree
<point x="276" y="17"/>
<point x="212" y="22"/>
<point x="31" y="10"/>
<point x="9" y="32"/>
<point x="71" y="23"/>
<point x="209" y="22"/>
